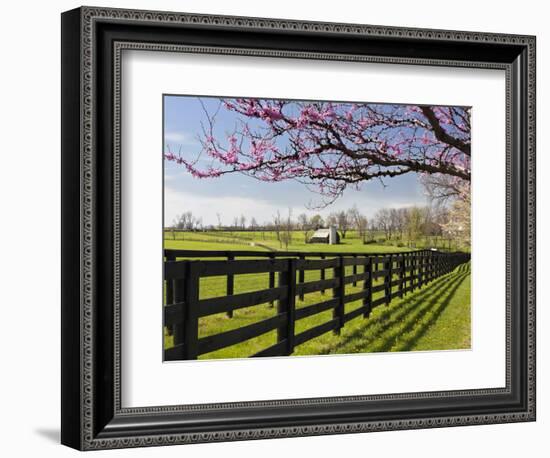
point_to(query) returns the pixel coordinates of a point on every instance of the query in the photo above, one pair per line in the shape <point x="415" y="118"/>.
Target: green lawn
<point x="452" y="327"/>
<point x="435" y="317"/>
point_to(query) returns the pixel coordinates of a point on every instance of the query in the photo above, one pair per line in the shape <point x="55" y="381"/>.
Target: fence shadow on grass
<point x="427" y="316"/>
<point x="400" y="327"/>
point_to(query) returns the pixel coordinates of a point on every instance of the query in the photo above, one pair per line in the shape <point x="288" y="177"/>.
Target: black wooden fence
<point x="400" y="273"/>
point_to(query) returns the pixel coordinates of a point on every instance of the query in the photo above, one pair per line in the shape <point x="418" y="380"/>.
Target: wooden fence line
<point x="401" y="273"/>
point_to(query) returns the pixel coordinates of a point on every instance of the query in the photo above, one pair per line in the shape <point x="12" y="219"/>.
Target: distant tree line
<point x="405" y="224"/>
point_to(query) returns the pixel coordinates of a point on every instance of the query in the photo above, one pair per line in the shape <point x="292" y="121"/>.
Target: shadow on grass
<point x="400" y="327"/>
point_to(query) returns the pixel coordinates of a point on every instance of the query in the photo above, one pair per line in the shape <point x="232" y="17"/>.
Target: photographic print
<point x="307" y="227"/>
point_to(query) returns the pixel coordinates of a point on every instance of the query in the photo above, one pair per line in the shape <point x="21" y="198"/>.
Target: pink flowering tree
<point x="331" y="146"/>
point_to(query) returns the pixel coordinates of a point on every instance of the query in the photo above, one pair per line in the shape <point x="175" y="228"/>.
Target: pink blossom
<point x="272" y="113"/>
<point x="320" y="141"/>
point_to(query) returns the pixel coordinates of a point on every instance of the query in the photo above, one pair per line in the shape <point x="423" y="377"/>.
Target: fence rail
<point x="392" y="274"/>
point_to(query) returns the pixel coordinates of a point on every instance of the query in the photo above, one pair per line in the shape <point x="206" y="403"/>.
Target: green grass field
<point x="435" y="317"/>
<point x="267" y="241"/>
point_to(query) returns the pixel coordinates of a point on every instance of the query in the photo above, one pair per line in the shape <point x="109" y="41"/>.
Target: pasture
<point x="267" y="241"/>
<point x="435" y="317"/>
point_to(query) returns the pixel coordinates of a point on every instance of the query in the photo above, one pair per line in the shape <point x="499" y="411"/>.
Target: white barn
<point x="327" y="235"/>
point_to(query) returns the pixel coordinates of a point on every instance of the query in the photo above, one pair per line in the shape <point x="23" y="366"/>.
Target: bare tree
<point x="242" y="222"/>
<point x="344" y="222"/>
<point x="383" y="222"/>
<point x="266" y="226"/>
<point x="401" y="221"/>
<point x="373" y="227"/>
<point x="415" y="223"/>
<point x="253" y="224"/>
<point x="288" y="226"/>
<point x="332" y="219"/>
<point x="341" y="220"/>
<point x="395" y="221"/>
<point x="187" y="221"/>
<point x="180" y="221"/>
<point x="304" y="225"/>
<point x="277" y="225"/>
<point x="316" y="222"/>
<point x="443" y="188"/>
<point x="236" y="222"/>
<point x="358" y="221"/>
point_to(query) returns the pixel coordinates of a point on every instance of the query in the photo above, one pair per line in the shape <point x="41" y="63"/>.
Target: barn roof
<point x="321" y="233"/>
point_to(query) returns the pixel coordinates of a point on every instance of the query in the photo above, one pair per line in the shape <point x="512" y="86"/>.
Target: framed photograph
<point x="278" y="228"/>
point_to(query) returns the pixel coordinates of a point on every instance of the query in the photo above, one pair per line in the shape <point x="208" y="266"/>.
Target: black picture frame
<point x="92" y="416"/>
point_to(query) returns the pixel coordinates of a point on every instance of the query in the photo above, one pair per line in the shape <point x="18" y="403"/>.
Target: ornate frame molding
<point x="88" y="435"/>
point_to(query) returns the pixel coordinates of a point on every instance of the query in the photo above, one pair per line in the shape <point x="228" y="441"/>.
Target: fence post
<point x="301" y="275"/>
<point x="179" y="296"/>
<point x="288" y="307"/>
<point x="428" y="266"/>
<point x="169" y="283"/>
<point x="338" y="292"/>
<point x="170" y="290"/>
<point x="418" y="260"/>
<point x="367" y="301"/>
<point x="190" y="319"/>
<point x="411" y="271"/>
<point x="388" y="266"/>
<point x="230" y="283"/>
<point x="414" y="277"/>
<point x="322" y="274"/>
<point x="420" y="268"/>
<point x="401" y="263"/>
<point x="271" y="279"/>
<point x="354" y="270"/>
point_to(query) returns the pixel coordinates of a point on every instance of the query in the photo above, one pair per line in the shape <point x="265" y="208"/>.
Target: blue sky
<point x="235" y="194"/>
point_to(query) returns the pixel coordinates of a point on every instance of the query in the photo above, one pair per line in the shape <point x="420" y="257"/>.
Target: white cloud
<point x="175" y="137"/>
<point x="207" y="207"/>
